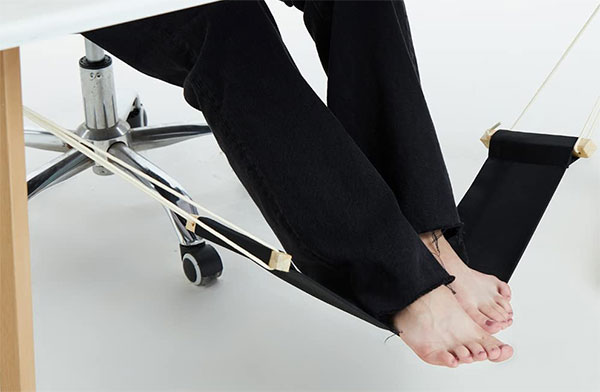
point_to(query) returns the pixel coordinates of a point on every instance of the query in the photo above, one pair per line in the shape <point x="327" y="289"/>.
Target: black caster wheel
<point x="137" y="115"/>
<point x="201" y="263"/>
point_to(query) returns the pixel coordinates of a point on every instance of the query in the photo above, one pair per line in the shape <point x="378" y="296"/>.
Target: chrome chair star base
<point x="122" y="137"/>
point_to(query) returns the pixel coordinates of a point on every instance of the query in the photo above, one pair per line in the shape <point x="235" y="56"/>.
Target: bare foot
<point x="439" y="331"/>
<point x="485" y="298"/>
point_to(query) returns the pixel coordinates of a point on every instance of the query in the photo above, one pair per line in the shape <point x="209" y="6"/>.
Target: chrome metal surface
<point x="56" y="171"/>
<point x="99" y="102"/>
<point x="44" y="141"/>
<point x="93" y="52"/>
<point x="104" y="138"/>
<point x="103" y="128"/>
<point x="145" y="138"/>
<point x="123" y="152"/>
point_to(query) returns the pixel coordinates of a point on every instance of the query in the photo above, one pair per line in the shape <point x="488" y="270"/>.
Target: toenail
<point x="481" y="352"/>
<point x="489" y="323"/>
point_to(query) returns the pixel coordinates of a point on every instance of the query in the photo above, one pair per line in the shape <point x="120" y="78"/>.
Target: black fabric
<point x="346" y="186"/>
<point x="293" y="277"/>
<point x="505" y="203"/>
<point x="501" y="211"/>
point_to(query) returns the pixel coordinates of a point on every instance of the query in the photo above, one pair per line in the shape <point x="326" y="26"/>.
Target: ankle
<point x="432" y="239"/>
<point x="441" y="249"/>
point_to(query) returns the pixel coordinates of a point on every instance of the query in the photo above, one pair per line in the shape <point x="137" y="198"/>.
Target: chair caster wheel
<point x="201" y="263"/>
<point x="137" y="117"/>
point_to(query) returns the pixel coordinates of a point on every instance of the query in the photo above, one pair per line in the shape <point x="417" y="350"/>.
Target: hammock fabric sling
<point x="505" y="203"/>
<point x="500" y="211"/>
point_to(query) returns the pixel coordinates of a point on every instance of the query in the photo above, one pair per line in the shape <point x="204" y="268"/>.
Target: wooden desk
<point x="22" y="21"/>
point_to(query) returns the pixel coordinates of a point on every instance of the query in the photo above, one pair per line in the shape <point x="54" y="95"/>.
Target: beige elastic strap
<point x="585" y="147"/>
<point x="102" y="158"/>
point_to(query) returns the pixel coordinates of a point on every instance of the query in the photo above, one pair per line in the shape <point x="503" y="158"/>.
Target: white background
<point x="113" y="311"/>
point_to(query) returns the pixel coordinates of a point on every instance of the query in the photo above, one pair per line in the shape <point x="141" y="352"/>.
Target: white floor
<point x="113" y="310"/>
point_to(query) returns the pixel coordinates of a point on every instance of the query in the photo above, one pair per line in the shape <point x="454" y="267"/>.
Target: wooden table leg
<point x="16" y="323"/>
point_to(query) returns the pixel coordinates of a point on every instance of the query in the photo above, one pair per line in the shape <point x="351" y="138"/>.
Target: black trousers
<point x="346" y="186"/>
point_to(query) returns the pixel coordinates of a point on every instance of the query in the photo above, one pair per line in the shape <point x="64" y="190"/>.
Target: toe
<point x="506" y="351"/>
<point x="441" y="358"/>
<point x="482" y="320"/>
<point x="503" y="302"/>
<point x="492" y="348"/>
<point x="492" y="326"/>
<point x="501" y="310"/>
<point x="504" y="289"/>
<point x="477" y="351"/>
<point x="463" y="354"/>
<point x="492" y="312"/>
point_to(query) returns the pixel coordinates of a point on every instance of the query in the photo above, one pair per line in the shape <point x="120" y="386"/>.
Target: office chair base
<point x="123" y="137"/>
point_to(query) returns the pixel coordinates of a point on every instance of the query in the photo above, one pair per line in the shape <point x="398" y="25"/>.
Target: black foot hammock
<point x="500" y="211"/>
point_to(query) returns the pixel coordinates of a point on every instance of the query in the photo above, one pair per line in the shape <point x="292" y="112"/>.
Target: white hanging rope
<point x="584" y="141"/>
<point x="593" y="126"/>
<point x="101" y="157"/>
<point x="592" y="120"/>
<point x="552" y="72"/>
